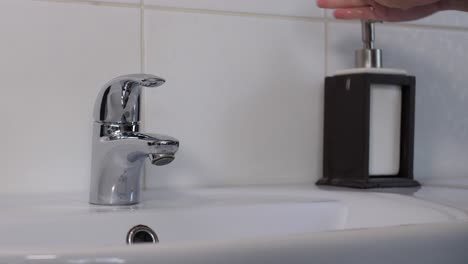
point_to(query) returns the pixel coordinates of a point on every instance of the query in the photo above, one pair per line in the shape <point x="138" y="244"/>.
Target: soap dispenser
<point x="369" y="123"/>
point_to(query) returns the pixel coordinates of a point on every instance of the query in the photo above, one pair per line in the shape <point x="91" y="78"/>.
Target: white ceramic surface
<point x="62" y="229"/>
<point x="421" y="244"/>
<point x="44" y="225"/>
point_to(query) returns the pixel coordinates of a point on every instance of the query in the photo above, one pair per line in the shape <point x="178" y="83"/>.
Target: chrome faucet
<point x="119" y="149"/>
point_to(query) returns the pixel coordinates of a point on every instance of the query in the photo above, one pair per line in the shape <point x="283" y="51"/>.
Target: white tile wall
<point x="243" y="96"/>
<point x="244" y="91"/>
<point x="54" y="58"/>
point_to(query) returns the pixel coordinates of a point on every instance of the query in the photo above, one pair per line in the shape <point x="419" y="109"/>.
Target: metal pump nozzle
<point x="368" y="56"/>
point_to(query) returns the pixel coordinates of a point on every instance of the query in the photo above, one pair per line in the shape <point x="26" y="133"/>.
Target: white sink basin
<point x="229" y="222"/>
<point x="174" y="218"/>
<point x="64" y="228"/>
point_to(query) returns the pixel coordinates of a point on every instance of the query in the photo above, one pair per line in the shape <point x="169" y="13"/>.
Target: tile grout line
<point x="91" y="2"/>
<point x="249" y="14"/>
<point x="143" y="70"/>
<point x="301" y="18"/>
<point x="142" y="39"/>
<point x="186" y="10"/>
<point x="406" y="25"/>
<point x="233" y="13"/>
<point x="428" y="27"/>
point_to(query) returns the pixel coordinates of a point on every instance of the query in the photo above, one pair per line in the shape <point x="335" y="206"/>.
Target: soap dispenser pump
<point x="369" y="123"/>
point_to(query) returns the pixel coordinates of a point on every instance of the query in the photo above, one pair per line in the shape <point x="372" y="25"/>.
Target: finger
<point x="385" y="13"/>
<point x="405" y="4"/>
<point x="342" y="3"/>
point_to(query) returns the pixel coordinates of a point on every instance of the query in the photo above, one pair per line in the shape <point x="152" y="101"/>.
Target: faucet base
<point x="119" y="154"/>
<point x="112" y="204"/>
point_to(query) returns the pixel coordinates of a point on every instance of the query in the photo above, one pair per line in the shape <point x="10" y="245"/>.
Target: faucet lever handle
<point x="144" y="80"/>
<point x="119" y="99"/>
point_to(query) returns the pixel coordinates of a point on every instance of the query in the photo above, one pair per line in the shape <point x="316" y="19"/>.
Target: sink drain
<point x="141" y="234"/>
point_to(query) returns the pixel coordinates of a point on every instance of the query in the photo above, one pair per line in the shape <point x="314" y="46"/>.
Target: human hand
<point x="390" y="10"/>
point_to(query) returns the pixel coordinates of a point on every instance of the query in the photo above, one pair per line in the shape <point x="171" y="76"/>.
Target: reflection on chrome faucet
<point x="119" y="149"/>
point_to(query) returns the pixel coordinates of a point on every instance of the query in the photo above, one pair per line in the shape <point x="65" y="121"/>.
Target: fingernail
<point x="321" y="3"/>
